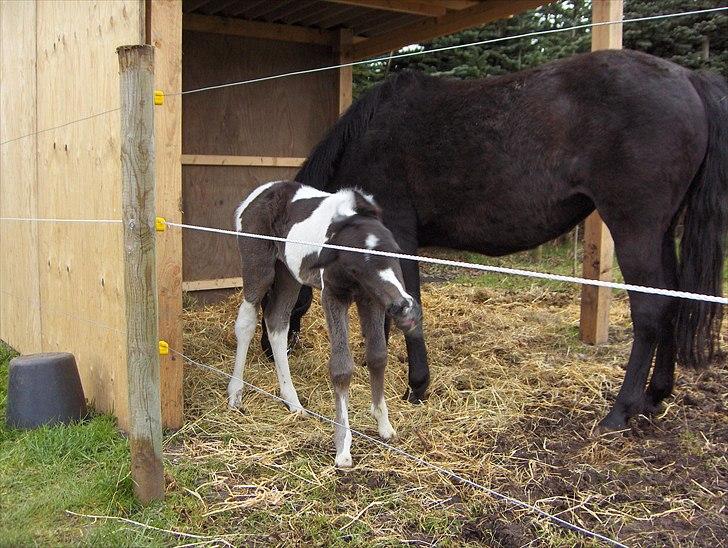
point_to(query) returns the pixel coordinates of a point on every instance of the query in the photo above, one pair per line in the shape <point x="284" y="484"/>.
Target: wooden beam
<point x="166" y="36"/>
<point x="598" y="244"/>
<point x="455" y="21"/>
<point x="249" y="161"/>
<point x="206" y="285"/>
<point x="256" y="29"/>
<point x="452" y="4"/>
<point x="345" y="74"/>
<point x="136" y="76"/>
<point x="400" y="6"/>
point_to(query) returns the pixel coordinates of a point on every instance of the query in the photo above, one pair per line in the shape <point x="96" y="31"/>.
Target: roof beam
<point x="256" y="29"/>
<point x="402" y="6"/>
<point x="427" y="29"/>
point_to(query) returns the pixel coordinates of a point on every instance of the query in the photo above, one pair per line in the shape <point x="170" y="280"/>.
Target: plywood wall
<point x="279" y="118"/>
<point x="68" y="278"/>
<point x="19" y="313"/>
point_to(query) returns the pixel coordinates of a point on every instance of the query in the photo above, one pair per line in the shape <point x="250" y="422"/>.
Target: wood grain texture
<point x="207" y="285"/>
<point x="20" y="318"/>
<point x="256" y="29"/>
<point x="81" y="266"/>
<point x="277" y="119"/>
<point x="342" y="50"/>
<point x="210" y="196"/>
<point x="252" y="161"/>
<point x="136" y="71"/>
<point x="166" y="37"/>
<point x="598" y="243"/>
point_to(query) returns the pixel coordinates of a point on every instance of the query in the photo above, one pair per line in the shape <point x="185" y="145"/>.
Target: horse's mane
<point x="321" y="164"/>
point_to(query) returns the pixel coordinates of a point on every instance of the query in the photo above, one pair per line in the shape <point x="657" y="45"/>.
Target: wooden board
<point x="277" y="119"/>
<point x="19" y="312"/>
<point x="598" y="244"/>
<point x="166" y="37"/>
<point x="79" y="176"/>
<point x="210" y="196"/>
<point x="285" y="117"/>
<point x="258" y="161"/>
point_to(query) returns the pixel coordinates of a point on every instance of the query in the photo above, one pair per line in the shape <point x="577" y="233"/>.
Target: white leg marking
<point x="343" y="453"/>
<point x="244" y="330"/>
<point x="381" y="414"/>
<point x="279" y="345"/>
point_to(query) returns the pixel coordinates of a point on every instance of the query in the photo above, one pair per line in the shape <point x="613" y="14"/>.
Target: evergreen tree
<point x="698" y="41"/>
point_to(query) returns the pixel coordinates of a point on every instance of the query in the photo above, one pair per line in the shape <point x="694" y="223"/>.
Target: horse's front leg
<point x="419" y="370"/>
<point x="371" y="317"/>
<point x="341" y="365"/>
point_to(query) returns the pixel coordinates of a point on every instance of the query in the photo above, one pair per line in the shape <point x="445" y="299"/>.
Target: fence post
<point x="136" y="70"/>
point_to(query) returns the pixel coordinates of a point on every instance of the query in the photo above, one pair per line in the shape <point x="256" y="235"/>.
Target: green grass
<point x="554" y="259"/>
<point x="82" y="468"/>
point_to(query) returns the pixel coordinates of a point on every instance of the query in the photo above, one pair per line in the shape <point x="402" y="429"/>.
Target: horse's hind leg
<point x="371" y="317"/>
<point x="640" y="258"/>
<point x="663" y="375"/>
<point x="282" y="298"/>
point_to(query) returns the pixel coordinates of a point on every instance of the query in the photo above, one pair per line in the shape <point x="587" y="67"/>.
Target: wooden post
<point x="342" y="48"/>
<point x="598" y="244"/>
<point x="136" y="68"/>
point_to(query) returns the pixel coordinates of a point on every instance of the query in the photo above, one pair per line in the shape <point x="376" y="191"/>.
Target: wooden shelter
<point x="61" y="284"/>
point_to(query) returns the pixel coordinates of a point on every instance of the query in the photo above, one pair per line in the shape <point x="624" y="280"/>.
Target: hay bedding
<point x="513" y="401"/>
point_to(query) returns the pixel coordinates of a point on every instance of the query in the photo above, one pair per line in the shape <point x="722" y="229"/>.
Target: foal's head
<point x="377" y="276"/>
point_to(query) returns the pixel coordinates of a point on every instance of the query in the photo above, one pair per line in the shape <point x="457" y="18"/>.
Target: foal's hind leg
<point x="371" y="317"/>
<point x="277" y="314"/>
<point x="257" y="278"/>
<point x="641" y="263"/>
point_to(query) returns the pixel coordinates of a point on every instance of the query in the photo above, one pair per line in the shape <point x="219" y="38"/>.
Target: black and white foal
<point x="348" y="218"/>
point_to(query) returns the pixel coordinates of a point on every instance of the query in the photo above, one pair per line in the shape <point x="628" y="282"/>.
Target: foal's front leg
<point x="341" y="365"/>
<point x="371" y="317"/>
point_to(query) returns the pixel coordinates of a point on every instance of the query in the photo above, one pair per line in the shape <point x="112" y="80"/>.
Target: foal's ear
<point x="325" y="258"/>
<point x="364" y="205"/>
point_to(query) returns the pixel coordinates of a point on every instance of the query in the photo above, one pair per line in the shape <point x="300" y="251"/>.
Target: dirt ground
<point x="514" y="400"/>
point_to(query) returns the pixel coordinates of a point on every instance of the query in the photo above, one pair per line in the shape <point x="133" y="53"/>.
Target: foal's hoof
<point x="235" y="401"/>
<point x="343" y="460"/>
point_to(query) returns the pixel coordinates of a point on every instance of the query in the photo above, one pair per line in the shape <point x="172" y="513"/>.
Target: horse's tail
<point x="702" y="248"/>
<point x="320" y="167"/>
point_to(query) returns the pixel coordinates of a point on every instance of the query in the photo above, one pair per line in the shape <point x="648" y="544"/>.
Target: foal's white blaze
<point x="388" y="275"/>
<point x="244" y="330"/>
<point x="279" y="346"/>
<point x="343" y="454"/>
<point x="371" y="241"/>
<point x="313" y="229"/>
<point x="248" y="200"/>
<point x="381" y="414"/>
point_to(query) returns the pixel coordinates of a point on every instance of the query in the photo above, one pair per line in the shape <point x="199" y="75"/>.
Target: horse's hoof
<point x="415" y="397"/>
<point x="343" y="460"/>
<point x="610" y="425"/>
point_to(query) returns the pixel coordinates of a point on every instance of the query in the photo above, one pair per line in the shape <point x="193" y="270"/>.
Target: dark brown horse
<point x="505" y="164"/>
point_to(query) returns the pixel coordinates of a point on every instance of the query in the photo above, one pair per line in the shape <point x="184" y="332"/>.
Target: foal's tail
<point x="702" y="248"/>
